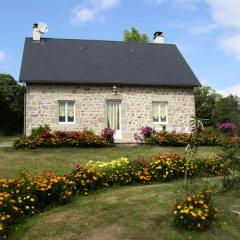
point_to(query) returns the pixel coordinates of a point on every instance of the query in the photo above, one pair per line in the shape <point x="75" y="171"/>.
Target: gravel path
<point x="6" y="144"/>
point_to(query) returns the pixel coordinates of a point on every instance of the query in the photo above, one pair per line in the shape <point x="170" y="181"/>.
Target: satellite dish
<point x="42" y="27"/>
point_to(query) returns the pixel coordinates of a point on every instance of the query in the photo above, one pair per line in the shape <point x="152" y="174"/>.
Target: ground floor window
<point x="66" y="112"/>
<point x="159" y="112"/>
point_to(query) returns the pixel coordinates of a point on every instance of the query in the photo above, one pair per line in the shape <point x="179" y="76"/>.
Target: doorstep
<point x="126" y="143"/>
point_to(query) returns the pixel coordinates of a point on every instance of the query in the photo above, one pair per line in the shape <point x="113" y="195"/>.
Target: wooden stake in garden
<point x="192" y="146"/>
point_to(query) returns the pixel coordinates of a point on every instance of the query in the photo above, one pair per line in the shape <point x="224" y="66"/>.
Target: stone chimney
<point x="36" y="33"/>
<point x="158" y="37"/>
<point x="39" y="28"/>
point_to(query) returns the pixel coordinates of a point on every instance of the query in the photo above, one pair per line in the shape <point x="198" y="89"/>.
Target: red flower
<point x="74" y="135"/>
<point x="107" y="132"/>
<point x="46" y="134"/>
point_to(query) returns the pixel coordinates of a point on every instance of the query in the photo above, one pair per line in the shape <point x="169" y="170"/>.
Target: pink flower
<point x="137" y="137"/>
<point x="227" y="125"/>
<point x="107" y="132"/>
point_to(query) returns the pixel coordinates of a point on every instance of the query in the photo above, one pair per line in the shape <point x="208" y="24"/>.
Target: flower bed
<point x="66" y="139"/>
<point x="25" y="196"/>
<point x="195" y="211"/>
<point x="208" y="137"/>
<point x="228" y="127"/>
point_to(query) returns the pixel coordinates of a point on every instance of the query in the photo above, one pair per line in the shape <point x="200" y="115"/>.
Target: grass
<point x="129" y="213"/>
<point x="134" y="212"/>
<point x="62" y="160"/>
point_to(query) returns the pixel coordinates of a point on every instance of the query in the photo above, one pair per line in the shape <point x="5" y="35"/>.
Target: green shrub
<point x="40" y="130"/>
<point x="210" y="166"/>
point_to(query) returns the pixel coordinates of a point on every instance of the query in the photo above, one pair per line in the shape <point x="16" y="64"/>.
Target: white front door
<point x="114" y="117"/>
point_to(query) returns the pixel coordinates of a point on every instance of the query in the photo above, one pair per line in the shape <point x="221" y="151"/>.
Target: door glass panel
<point x="113" y="115"/>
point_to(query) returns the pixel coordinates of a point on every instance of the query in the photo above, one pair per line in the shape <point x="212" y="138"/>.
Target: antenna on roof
<point x="39" y="28"/>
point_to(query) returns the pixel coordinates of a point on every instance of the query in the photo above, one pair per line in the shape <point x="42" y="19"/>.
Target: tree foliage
<point x="11" y="105"/>
<point x="219" y="109"/>
<point x="227" y="109"/>
<point x="135" y="36"/>
<point x="205" y="99"/>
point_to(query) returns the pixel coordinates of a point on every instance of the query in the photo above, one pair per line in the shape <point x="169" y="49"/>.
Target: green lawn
<point x="136" y="213"/>
<point x="14" y="162"/>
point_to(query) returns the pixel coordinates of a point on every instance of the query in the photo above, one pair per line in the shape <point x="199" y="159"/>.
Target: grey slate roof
<point x="104" y="62"/>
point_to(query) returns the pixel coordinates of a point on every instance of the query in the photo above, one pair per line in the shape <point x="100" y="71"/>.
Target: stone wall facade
<point x="42" y="107"/>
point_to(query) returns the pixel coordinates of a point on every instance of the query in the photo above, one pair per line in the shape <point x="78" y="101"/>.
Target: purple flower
<point x="227" y="126"/>
<point x="146" y="131"/>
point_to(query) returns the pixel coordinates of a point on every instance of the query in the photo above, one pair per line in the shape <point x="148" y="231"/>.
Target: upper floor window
<point x="159" y="112"/>
<point x="66" y="112"/>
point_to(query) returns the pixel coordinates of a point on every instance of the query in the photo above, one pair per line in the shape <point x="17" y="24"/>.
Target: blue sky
<point x="207" y="32"/>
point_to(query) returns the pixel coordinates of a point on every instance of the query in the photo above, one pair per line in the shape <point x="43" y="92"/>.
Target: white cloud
<point x="92" y="12"/>
<point x="226" y="15"/>
<point x="234" y="90"/>
<point x="225" y="18"/>
<point x="203" y="28"/>
<point x="3" y="56"/>
<point x="204" y="82"/>
<point x="185" y="4"/>
<point x="105" y="4"/>
<point x="83" y="15"/>
<point x="231" y="45"/>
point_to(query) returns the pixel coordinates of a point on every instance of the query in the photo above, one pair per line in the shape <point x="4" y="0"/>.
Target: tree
<point x="219" y="109"/>
<point x="11" y="105"/>
<point x="227" y="109"/>
<point x="205" y="100"/>
<point x="135" y="36"/>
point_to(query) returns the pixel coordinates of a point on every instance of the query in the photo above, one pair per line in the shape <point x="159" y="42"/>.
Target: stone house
<point x="75" y="84"/>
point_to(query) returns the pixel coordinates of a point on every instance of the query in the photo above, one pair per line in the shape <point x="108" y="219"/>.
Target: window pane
<point x="61" y="112"/>
<point x="163" y="112"/>
<point x="70" y="105"/>
<point x="70" y="115"/>
<point x="61" y="105"/>
<point x="155" y="112"/>
<point x="61" y="119"/>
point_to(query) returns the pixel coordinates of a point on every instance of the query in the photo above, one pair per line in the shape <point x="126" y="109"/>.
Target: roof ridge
<point x="102" y="40"/>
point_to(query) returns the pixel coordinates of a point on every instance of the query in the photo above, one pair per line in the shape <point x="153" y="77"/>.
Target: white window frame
<point x="66" y="110"/>
<point x="159" y="111"/>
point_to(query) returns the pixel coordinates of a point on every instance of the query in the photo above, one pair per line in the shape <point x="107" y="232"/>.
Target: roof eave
<point x="107" y="83"/>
